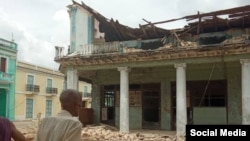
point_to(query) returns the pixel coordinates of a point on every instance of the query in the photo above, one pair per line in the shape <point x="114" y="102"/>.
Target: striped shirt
<point x="62" y="127"/>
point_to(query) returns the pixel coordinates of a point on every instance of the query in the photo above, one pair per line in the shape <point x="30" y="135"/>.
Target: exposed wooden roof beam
<point x="116" y="30"/>
<point x="152" y="25"/>
<point x="221" y="12"/>
<point x="199" y="23"/>
<point x="143" y="30"/>
<point x="215" y="23"/>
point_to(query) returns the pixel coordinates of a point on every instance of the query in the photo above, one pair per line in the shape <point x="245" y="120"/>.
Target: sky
<point x="37" y="26"/>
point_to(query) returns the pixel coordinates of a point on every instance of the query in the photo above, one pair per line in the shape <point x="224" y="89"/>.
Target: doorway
<point x="3" y="102"/>
<point x="108" y="105"/>
<point x="151" y="106"/>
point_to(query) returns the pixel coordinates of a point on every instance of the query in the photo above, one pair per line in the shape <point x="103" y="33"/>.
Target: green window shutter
<point x="48" y="111"/>
<point x="29" y="108"/>
<point x="49" y="83"/>
<point x="30" y="79"/>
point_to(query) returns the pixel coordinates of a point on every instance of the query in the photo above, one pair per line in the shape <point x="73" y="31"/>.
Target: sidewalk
<point x="25" y="123"/>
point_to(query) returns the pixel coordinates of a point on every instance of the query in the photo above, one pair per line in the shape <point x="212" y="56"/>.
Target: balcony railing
<point x="8" y="44"/>
<point x="51" y="90"/>
<point x="112" y="47"/>
<point x="6" y="77"/>
<point x="32" y="88"/>
<point x="86" y="95"/>
<point x="109" y="47"/>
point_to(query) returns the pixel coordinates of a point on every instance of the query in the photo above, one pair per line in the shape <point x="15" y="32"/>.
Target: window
<point x="85" y="91"/>
<point x="49" y="88"/>
<point x="3" y="64"/>
<point x="30" y="79"/>
<point x="48" y="110"/>
<point x="204" y="94"/>
<point x="30" y="84"/>
<point x="49" y="83"/>
<point x="213" y="96"/>
<point x="109" y="98"/>
<point x="29" y="108"/>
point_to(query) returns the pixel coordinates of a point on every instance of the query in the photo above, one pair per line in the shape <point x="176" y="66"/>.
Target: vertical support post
<point x="124" y="99"/>
<point x="245" y="79"/>
<point x="181" y="106"/>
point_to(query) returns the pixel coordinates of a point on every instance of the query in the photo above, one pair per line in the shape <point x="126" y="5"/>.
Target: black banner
<point x="217" y="132"/>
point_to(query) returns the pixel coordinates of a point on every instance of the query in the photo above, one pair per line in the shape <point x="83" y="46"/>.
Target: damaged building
<point x="155" y="78"/>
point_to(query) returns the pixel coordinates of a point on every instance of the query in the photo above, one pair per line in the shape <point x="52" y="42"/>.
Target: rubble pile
<point x="183" y="44"/>
<point x="29" y="132"/>
<point x="188" y="44"/>
<point x="101" y="133"/>
<point x="130" y="49"/>
<point x="238" y="39"/>
<point x="106" y="133"/>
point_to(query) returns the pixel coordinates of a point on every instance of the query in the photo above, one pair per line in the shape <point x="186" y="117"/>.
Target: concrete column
<point x="96" y="102"/>
<point x="72" y="78"/>
<point x="181" y="106"/>
<point x="245" y="79"/>
<point x="124" y="99"/>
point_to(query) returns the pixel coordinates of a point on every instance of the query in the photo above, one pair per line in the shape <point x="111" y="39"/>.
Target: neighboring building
<point x="153" y="78"/>
<point x="38" y="90"/>
<point x="8" y="56"/>
<point x="85" y="88"/>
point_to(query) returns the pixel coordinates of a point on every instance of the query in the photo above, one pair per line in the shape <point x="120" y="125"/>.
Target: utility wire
<point x="205" y="90"/>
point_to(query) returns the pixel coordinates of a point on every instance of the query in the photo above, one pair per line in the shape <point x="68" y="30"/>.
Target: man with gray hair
<point x="63" y="126"/>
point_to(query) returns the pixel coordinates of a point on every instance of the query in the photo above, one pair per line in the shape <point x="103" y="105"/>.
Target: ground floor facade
<point x="32" y="106"/>
<point x="208" y="87"/>
<point x="170" y="96"/>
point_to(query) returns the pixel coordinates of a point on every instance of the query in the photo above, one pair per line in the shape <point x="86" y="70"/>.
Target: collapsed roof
<point x="204" y="23"/>
<point x="114" y="31"/>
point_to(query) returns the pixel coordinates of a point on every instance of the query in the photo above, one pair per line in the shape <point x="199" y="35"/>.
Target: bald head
<point x="71" y="101"/>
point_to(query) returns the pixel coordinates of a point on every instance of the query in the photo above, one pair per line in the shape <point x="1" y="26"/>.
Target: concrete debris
<point x="189" y="44"/>
<point x="101" y="133"/>
<point x="29" y="132"/>
<point x="105" y="133"/>
<point x="184" y="44"/>
<point x="130" y="49"/>
<point x="238" y="39"/>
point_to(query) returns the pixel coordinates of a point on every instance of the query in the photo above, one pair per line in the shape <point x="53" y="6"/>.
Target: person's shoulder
<point x="74" y="122"/>
<point x="4" y="119"/>
<point x="47" y="118"/>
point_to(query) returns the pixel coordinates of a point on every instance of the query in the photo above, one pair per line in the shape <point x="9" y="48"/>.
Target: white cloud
<point x="40" y="25"/>
<point x="30" y="48"/>
<point x="60" y="34"/>
<point x="61" y="16"/>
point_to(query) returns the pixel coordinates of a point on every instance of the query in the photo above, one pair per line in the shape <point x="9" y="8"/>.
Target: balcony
<point x="32" y="88"/>
<point x="86" y="95"/>
<point x="8" y="44"/>
<point x="51" y="90"/>
<point x="6" y="78"/>
<point x="105" y="48"/>
<point x="112" y="47"/>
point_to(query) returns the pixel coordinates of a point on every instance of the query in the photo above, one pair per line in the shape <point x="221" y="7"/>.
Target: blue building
<point x="8" y="56"/>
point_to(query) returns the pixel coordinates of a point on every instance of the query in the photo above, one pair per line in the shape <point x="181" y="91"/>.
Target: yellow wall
<point x="81" y="89"/>
<point x="39" y="98"/>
